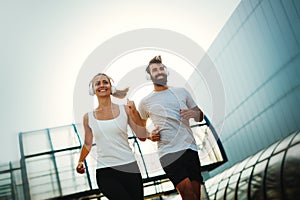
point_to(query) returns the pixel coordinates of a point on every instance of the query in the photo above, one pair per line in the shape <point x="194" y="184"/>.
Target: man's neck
<point x="160" y="87"/>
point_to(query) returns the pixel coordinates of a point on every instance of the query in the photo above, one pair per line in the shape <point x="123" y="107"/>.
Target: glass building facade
<point x="257" y="55"/>
<point x="272" y="173"/>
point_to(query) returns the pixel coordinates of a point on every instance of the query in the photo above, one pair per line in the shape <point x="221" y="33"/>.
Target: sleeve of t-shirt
<point x="189" y="99"/>
<point x="142" y="111"/>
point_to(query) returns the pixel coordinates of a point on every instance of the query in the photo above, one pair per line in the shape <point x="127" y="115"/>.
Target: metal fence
<point x="49" y="157"/>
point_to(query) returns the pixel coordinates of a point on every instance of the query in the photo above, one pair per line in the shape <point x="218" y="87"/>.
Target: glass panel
<point x="284" y="143"/>
<point x="35" y="142"/>
<point x="220" y="194"/>
<point x="80" y="130"/>
<point x="11" y="182"/>
<point x="273" y="180"/>
<point x="241" y="165"/>
<point x="91" y="160"/>
<point x="217" y="178"/>
<point x="243" y="184"/>
<point x="42" y="177"/>
<point x="223" y="184"/>
<point x="63" y="137"/>
<point x="297" y="138"/>
<point x="5" y="185"/>
<point x="209" y="150"/>
<point x="254" y="158"/>
<point x="70" y="181"/>
<point x="167" y="185"/>
<point x="230" y="191"/>
<point x="212" y="196"/>
<point x="212" y="189"/>
<point x="268" y="152"/>
<point x="150" y="157"/>
<point x="256" y="188"/>
<point x="4" y="167"/>
<point x="291" y="173"/>
<point x="163" y="185"/>
<point x="18" y="184"/>
<point x="213" y="183"/>
<point x="229" y="171"/>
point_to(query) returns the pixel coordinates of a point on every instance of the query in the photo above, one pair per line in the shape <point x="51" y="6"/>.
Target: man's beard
<point x="160" y="82"/>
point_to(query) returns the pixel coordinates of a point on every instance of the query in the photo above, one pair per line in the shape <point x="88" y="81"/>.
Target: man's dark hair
<point x="156" y="59"/>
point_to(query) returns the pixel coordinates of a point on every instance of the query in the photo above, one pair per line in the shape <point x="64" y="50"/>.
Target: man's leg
<point x="197" y="189"/>
<point x="183" y="169"/>
<point x="186" y="190"/>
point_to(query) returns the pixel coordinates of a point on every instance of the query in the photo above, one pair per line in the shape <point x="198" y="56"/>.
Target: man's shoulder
<point x="177" y="89"/>
<point x="147" y="97"/>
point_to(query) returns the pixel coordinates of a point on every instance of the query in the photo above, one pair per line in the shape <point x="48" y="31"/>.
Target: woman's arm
<point x="88" y="142"/>
<point x="135" y="121"/>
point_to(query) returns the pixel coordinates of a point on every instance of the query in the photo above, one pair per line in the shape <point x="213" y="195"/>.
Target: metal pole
<point x="23" y="169"/>
<point x="55" y="164"/>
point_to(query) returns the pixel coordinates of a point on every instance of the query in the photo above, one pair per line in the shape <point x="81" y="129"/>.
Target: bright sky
<point x="45" y="43"/>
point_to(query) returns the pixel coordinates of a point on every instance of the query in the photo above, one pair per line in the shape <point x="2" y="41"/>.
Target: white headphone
<point x="148" y="75"/>
<point x="91" y="89"/>
<point x="113" y="89"/>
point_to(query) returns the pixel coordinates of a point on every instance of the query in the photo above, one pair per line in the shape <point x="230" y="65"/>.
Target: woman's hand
<point x="80" y="168"/>
<point x="131" y="105"/>
<point x="135" y="121"/>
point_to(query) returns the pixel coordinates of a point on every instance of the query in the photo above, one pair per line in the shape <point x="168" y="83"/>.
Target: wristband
<point x="80" y="162"/>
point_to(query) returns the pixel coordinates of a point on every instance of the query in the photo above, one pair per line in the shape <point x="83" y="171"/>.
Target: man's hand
<point x="154" y="136"/>
<point x="189" y="113"/>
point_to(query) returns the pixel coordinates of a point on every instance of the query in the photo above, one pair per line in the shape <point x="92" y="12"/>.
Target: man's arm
<point x="194" y="112"/>
<point x="154" y="135"/>
<point x="198" y="114"/>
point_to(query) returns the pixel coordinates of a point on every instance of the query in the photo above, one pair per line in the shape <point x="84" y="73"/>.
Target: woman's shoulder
<point x="86" y="116"/>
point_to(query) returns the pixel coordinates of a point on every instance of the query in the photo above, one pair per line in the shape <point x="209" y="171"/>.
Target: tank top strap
<point x="122" y="109"/>
<point x="123" y="113"/>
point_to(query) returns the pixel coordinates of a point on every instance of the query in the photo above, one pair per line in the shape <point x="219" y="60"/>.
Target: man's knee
<point x="185" y="188"/>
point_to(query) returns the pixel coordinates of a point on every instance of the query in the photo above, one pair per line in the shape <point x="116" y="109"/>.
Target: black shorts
<point x="117" y="183"/>
<point x="181" y="165"/>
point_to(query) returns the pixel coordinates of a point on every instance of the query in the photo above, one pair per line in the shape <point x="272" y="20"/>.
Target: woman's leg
<point x="133" y="184"/>
<point x="110" y="185"/>
<point x="121" y="182"/>
<point x="131" y="179"/>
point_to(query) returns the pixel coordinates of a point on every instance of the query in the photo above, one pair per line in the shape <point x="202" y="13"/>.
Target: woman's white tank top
<point x="111" y="140"/>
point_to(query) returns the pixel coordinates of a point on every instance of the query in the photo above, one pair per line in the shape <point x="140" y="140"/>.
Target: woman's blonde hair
<point x="117" y="93"/>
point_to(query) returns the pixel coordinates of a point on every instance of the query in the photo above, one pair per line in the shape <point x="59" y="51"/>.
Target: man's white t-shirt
<point x="163" y="107"/>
